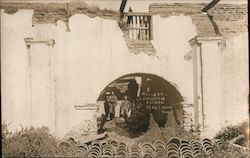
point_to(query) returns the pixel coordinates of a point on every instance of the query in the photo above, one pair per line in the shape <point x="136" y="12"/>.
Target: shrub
<point x="231" y="132"/>
<point x="230" y="151"/>
<point x="28" y="142"/>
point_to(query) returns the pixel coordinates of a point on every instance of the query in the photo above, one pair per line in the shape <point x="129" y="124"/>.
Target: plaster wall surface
<point x="211" y="79"/>
<point x="92" y="55"/>
<point x="235" y="80"/>
<point x="225" y="83"/>
<point x="86" y="60"/>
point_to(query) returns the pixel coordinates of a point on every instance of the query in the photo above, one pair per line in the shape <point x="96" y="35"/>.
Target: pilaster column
<point x="50" y="43"/>
<point x="207" y="81"/>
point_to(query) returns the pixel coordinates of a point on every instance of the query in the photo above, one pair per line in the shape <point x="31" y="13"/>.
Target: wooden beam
<point x="123" y="5"/>
<point x="210" y="5"/>
<point x="138" y="13"/>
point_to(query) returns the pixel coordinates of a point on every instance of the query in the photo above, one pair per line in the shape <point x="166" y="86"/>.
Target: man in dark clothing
<point x="132" y="90"/>
<point x="112" y="103"/>
<point x="104" y="116"/>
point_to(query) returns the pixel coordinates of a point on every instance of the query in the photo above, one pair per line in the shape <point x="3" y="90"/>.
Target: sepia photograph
<point x="124" y="78"/>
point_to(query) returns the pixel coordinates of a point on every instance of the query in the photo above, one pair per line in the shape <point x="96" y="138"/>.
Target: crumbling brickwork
<point x="230" y="19"/>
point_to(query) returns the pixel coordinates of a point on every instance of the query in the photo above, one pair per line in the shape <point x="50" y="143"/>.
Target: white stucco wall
<point x="212" y="85"/>
<point x="235" y="80"/>
<point x="225" y="83"/>
<point x="171" y="43"/>
<point x="88" y="58"/>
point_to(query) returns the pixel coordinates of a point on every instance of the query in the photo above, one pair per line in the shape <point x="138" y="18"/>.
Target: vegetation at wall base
<point x="28" y="142"/>
<point x="38" y="142"/>
<point x="230" y="132"/>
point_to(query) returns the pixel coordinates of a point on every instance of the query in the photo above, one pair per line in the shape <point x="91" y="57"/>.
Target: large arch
<point x="174" y="93"/>
<point x="149" y="95"/>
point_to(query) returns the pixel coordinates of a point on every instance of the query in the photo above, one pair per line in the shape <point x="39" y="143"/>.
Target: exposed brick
<point x="231" y="19"/>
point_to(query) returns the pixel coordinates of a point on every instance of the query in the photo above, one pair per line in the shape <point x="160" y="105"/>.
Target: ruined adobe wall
<point x="86" y="59"/>
<point x="225" y="71"/>
<point x="225" y="84"/>
<point x="89" y="53"/>
<point x="235" y="79"/>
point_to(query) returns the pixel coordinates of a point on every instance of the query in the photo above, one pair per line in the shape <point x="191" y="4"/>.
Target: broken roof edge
<point x="222" y="19"/>
<point x="170" y="1"/>
<point x="157" y="8"/>
<point x="70" y="9"/>
<point x="35" y="1"/>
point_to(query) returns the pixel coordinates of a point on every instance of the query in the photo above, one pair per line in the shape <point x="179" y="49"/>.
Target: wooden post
<point x="122" y="7"/>
<point x="134" y="26"/>
<point x="150" y="28"/>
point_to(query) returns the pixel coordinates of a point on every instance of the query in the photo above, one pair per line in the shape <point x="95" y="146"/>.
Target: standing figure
<point x="132" y="90"/>
<point x="113" y="103"/>
<point x="125" y="108"/>
<point x="104" y="116"/>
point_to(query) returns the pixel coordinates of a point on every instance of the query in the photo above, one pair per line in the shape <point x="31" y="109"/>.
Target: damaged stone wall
<point x="235" y="72"/>
<point x="86" y="59"/>
<point x="52" y="12"/>
<point x="90" y="52"/>
<point x="230" y="22"/>
<point x="229" y="19"/>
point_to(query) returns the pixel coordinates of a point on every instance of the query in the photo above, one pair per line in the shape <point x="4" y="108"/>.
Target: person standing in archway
<point x="125" y="108"/>
<point x="113" y="103"/>
<point x="104" y="116"/>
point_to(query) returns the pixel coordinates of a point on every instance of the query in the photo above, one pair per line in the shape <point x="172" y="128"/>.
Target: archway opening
<point x="134" y="101"/>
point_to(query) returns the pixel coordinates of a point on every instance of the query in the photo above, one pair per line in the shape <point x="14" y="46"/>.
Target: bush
<point x="230" y="151"/>
<point x="28" y="142"/>
<point x="231" y="132"/>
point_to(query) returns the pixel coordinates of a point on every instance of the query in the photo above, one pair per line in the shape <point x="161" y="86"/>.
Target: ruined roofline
<point x="18" y="5"/>
<point x="156" y="8"/>
<point x="227" y="19"/>
<point x="48" y="5"/>
<point x="60" y="10"/>
<point x="65" y="6"/>
<point x="62" y="4"/>
<point x="35" y="1"/>
<point x="153" y="1"/>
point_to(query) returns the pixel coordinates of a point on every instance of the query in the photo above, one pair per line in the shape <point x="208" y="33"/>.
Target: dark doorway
<point x="147" y="95"/>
